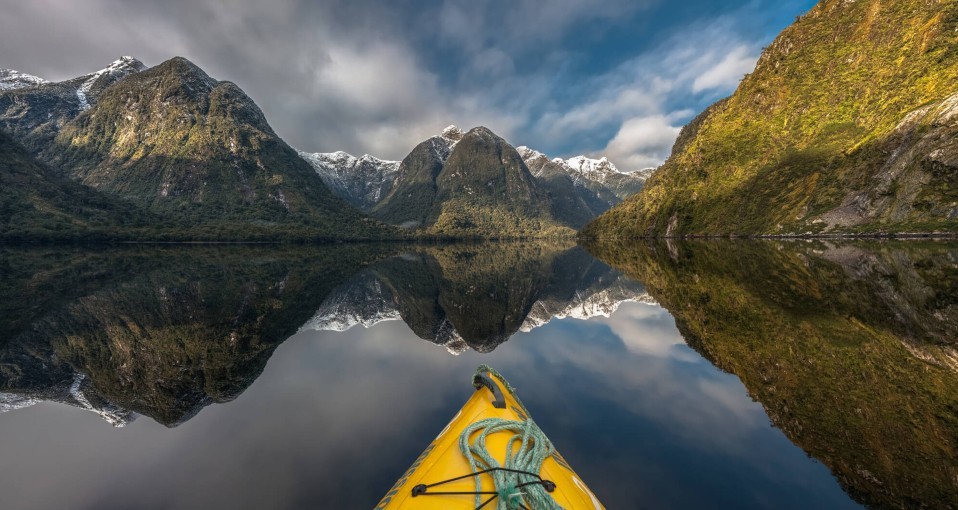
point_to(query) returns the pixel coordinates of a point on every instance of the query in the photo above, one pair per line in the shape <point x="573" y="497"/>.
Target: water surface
<point x="312" y="377"/>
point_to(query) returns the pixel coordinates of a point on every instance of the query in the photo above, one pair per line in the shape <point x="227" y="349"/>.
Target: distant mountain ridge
<point x="199" y="154"/>
<point x="177" y="143"/>
<point x="565" y="192"/>
<point x="590" y="171"/>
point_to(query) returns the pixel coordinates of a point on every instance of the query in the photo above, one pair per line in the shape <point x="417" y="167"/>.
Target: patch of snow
<point x="365" y="178"/>
<point x="123" y="66"/>
<point x="578" y="167"/>
<point x="594" y="169"/>
<point x="527" y="153"/>
<point x="449" y="138"/>
<point x="113" y="415"/>
<point x="11" y="79"/>
<point x="450" y="339"/>
<point x="12" y="402"/>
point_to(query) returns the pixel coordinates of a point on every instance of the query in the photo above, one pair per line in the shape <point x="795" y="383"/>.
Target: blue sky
<point x="567" y="77"/>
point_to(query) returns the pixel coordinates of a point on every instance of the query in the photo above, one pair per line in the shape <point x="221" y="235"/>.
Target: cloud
<point x="727" y="73"/>
<point x="643" y="142"/>
<point x="367" y="76"/>
<point x="644" y="101"/>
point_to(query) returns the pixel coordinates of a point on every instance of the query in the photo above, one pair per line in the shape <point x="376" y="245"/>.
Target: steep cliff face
<point x="410" y="203"/>
<point x="844" y="126"/>
<point x="485" y="182"/>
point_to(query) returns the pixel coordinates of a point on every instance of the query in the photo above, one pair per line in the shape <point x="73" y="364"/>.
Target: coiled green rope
<point x="527" y="449"/>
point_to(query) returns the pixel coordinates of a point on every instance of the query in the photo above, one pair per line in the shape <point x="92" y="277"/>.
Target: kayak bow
<point x="491" y="455"/>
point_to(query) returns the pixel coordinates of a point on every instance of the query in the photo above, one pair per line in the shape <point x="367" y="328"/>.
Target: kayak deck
<point x="442" y="478"/>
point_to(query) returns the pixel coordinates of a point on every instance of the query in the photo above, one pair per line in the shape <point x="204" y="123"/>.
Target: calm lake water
<point x="699" y="375"/>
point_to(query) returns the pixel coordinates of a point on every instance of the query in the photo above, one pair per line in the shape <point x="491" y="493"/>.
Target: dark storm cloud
<point x="373" y="76"/>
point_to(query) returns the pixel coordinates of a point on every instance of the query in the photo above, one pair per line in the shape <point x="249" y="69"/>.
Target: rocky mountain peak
<point x="34" y="109"/>
<point x="481" y="131"/>
<point x="598" y="169"/>
<point x="123" y="65"/>
<point x="191" y="79"/>
<point x="528" y="154"/>
<point x="452" y="133"/>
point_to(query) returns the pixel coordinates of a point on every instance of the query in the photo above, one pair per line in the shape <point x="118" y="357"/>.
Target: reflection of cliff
<point x="851" y="349"/>
<point x="477" y="296"/>
<point x="156" y="332"/>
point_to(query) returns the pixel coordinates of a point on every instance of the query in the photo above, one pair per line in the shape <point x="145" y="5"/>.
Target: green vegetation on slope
<point x="851" y="349"/>
<point x="481" y="188"/>
<point x="38" y="205"/>
<point x="814" y="141"/>
<point x="200" y="153"/>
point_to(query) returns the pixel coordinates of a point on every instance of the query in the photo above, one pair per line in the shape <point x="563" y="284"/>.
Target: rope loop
<point x="518" y="484"/>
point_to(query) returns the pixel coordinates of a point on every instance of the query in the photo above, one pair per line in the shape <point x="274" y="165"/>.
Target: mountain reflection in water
<point x="849" y="350"/>
<point x="166" y="333"/>
<point x="463" y="297"/>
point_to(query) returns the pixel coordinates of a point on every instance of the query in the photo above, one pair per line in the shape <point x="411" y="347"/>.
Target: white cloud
<point x="637" y="101"/>
<point x="728" y="72"/>
<point x="642" y="141"/>
<point x="648" y="330"/>
<point x="357" y="76"/>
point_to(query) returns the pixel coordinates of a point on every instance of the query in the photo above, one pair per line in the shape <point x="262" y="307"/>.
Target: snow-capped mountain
<point x="595" y="169"/>
<point x="99" y="80"/>
<point x="365" y="181"/>
<point x="588" y="172"/>
<point x="33" y="110"/>
<point x="11" y="79"/>
<point x="576" y="190"/>
<point x="362" y="181"/>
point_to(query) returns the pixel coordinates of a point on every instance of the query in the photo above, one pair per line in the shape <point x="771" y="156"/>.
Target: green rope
<point x="527" y="449"/>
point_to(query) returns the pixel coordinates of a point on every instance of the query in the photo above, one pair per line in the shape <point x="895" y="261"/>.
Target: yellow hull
<point x="442" y="460"/>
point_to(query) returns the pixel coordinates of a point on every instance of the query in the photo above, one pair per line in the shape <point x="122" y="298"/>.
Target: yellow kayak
<point x="490" y="456"/>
